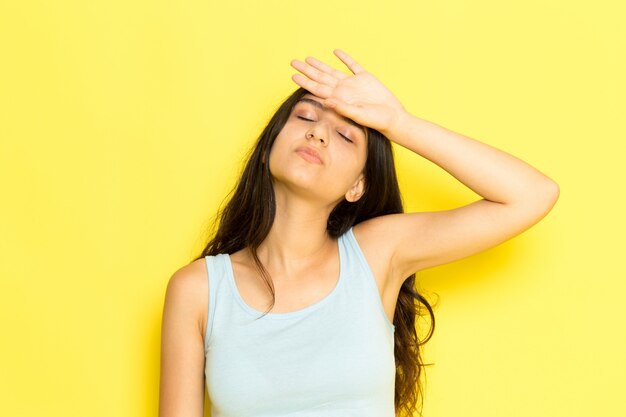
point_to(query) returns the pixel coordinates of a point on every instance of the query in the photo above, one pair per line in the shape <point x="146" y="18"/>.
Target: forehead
<point x="317" y="102"/>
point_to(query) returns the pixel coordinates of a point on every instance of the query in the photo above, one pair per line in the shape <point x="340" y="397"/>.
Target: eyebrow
<point x="321" y="106"/>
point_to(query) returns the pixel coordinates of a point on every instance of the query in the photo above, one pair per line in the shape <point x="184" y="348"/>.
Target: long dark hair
<point x="248" y="216"/>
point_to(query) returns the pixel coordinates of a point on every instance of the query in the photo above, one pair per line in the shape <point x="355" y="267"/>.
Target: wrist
<point x="397" y="124"/>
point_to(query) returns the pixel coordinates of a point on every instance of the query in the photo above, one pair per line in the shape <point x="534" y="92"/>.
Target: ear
<point x="356" y="191"/>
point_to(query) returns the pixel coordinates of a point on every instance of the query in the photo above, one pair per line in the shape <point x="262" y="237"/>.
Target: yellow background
<point x="123" y="124"/>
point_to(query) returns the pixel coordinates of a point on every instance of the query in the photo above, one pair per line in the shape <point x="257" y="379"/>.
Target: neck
<point x="298" y="238"/>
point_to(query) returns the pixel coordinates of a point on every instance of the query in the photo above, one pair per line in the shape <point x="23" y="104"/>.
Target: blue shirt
<point x="334" y="358"/>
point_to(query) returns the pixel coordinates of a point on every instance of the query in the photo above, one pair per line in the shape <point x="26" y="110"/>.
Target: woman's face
<point x="340" y="143"/>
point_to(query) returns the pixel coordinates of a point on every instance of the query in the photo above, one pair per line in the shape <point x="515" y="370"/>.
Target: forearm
<point x="493" y="174"/>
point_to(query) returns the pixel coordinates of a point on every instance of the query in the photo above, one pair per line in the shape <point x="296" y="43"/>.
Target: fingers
<point x="350" y="63"/>
<point x="326" y="68"/>
<point x="314" y="73"/>
<point x="320" y="78"/>
<point x="313" y="87"/>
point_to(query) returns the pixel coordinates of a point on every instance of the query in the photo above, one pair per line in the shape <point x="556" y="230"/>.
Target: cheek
<point x="285" y="141"/>
<point x="345" y="174"/>
<point x="278" y="153"/>
<point x="353" y="163"/>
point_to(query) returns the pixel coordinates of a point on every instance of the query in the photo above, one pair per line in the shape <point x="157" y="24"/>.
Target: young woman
<point x="304" y="302"/>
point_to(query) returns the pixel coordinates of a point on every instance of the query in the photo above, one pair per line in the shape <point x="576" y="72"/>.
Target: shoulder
<point x="388" y="240"/>
<point x="373" y="238"/>
<point x="189" y="278"/>
<point x="187" y="292"/>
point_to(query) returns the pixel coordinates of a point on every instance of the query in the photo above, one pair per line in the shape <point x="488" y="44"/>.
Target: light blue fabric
<point x="333" y="358"/>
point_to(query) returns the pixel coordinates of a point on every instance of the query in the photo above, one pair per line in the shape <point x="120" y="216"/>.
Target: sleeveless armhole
<point x="370" y="277"/>
<point x="212" y="278"/>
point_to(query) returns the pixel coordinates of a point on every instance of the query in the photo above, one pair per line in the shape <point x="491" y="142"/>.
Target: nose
<point x="314" y="134"/>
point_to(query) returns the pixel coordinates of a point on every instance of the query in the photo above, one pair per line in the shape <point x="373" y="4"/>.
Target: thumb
<point x="339" y="106"/>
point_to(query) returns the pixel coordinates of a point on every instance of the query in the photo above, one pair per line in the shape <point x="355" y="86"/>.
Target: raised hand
<point x="360" y="97"/>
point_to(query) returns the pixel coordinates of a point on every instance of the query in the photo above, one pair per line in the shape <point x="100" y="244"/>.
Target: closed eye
<point x="345" y="137"/>
<point x="309" y="120"/>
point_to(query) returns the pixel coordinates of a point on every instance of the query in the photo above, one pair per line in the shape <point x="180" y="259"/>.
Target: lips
<point x="310" y="154"/>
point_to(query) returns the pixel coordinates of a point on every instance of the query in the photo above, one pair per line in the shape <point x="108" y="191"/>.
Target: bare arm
<point x="182" y="346"/>
<point x="515" y="197"/>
